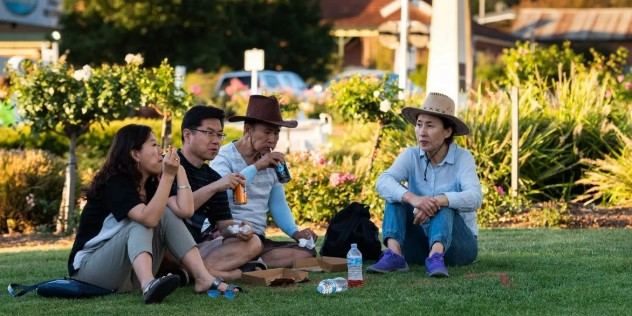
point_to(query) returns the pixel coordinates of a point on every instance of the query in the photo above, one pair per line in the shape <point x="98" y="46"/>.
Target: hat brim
<point x="411" y="114"/>
<point x="240" y="118"/>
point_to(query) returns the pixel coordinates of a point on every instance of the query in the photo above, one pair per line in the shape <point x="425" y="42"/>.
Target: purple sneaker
<point x="435" y="266"/>
<point x="389" y="262"/>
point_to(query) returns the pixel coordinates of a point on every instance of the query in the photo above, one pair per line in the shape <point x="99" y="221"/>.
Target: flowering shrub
<point x="30" y="189"/>
<point x="319" y="187"/>
<point x="58" y="98"/>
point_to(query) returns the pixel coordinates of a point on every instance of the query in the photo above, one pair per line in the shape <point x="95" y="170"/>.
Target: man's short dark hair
<point x="194" y="116"/>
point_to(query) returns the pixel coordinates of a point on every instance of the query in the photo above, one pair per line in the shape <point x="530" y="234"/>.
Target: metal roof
<point x="595" y="24"/>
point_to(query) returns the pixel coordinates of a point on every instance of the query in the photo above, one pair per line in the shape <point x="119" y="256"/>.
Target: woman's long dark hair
<point x="119" y="160"/>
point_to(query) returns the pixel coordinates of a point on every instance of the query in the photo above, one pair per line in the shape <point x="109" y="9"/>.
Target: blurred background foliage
<point x="575" y="124"/>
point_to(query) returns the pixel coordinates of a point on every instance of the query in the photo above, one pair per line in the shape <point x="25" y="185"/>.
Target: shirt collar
<point x="449" y="158"/>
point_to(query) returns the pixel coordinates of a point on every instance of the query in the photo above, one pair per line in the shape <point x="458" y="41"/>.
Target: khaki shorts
<point x="211" y="245"/>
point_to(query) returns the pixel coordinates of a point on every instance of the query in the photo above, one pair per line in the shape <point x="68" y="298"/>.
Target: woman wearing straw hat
<point x="432" y="220"/>
<point x="253" y="156"/>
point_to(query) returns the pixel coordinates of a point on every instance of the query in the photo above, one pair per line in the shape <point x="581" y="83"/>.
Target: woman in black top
<point x="128" y="223"/>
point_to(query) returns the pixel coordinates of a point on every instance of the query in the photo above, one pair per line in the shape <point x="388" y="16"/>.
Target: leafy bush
<point x="610" y="178"/>
<point x="320" y="188"/>
<point x="30" y="189"/>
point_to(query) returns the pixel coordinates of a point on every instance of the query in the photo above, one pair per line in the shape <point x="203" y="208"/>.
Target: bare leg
<point x="203" y="279"/>
<point x="142" y="268"/>
<point x="284" y="257"/>
<point x="225" y="260"/>
<point x="393" y="245"/>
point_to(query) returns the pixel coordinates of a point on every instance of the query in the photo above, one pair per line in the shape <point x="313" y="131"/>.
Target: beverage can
<point x="239" y="195"/>
<point x="283" y="173"/>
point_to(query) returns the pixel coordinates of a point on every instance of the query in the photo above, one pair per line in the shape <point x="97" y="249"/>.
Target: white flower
<point x="385" y="106"/>
<point x="376" y="93"/>
<point x="78" y="75"/>
<point x="87" y="72"/>
<point x="134" y="59"/>
<point x="83" y="74"/>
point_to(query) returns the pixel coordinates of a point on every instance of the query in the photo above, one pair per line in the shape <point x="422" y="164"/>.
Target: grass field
<point x="518" y="272"/>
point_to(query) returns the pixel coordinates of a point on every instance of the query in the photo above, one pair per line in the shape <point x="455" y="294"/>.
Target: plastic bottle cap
<point x="354" y="245"/>
<point x="319" y="289"/>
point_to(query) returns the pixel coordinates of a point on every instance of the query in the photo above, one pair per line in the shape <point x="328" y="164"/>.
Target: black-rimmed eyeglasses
<point x="219" y="135"/>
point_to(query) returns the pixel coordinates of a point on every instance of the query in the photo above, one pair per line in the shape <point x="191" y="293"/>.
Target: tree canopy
<point x="206" y="34"/>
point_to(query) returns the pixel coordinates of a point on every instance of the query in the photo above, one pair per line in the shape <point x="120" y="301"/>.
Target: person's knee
<point x="254" y="247"/>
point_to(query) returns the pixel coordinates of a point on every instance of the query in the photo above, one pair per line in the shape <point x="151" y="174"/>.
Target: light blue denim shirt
<point x="455" y="177"/>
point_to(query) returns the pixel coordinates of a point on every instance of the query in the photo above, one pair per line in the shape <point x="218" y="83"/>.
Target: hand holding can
<point x="239" y="195"/>
<point x="282" y="172"/>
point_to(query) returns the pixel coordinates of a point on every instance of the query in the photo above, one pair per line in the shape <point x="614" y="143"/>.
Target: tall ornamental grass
<point x="559" y="126"/>
<point x="610" y="179"/>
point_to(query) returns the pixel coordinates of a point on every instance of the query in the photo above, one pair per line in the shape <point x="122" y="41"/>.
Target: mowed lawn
<point x="518" y="272"/>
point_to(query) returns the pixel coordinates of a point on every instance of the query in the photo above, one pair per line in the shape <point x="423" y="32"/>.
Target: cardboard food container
<point x="321" y="264"/>
<point x="272" y="277"/>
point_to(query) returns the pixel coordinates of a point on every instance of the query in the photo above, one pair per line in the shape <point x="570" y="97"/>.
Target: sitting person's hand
<point x="229" y="181"/>
<point x="244" y="236"/>
<point x="269" y="160"/>
<point x="305" y="234"/>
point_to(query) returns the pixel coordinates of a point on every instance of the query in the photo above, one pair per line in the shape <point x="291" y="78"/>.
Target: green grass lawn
<point x="526" y="272"/>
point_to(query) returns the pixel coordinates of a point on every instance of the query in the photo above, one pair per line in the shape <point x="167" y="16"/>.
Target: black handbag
<point x="60" y="288"/>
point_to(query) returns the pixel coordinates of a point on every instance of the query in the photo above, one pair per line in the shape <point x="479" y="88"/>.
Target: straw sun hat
<point x="439" y="105"/>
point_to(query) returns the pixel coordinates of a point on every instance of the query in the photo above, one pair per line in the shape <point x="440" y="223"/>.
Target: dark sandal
<point x="158" y="289"/>
<point x="252" y="266"/>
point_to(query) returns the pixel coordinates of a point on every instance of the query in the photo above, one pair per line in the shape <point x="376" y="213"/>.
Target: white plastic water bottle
<point x="329" y="286"/>
<point x="354" y="266"/>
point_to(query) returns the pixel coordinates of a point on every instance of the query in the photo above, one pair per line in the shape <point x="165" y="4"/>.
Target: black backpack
<point x="352" y="225"/>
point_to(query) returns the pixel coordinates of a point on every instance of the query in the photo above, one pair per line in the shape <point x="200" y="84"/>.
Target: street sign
<point x="254" y="59"/>
<point x="253" y="62"/>
<point x="418" y="34"/>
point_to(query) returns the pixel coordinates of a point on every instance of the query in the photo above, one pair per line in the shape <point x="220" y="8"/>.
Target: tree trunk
<point x="165" y="138"/>
<point x="65" y="221"/>
<point x="376" y="146"/>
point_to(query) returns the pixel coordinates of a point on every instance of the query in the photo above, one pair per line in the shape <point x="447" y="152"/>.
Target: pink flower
<point x="196" y="90"/>
<point x="322" y="161"/>
<point x="499" y="189"/>
<point x="627" y="85"/>
<point x="351" y="177"/>
<point x="620" y="78"/>
<point x="334" y="179"/>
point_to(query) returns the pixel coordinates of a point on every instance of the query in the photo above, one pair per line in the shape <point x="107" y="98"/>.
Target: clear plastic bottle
<point x="330" y="286"/>
<point x="354" y="266"/>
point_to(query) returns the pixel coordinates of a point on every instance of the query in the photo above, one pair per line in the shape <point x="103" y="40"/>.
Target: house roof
<point x="364" y="13"/>
<point x="595" y="24"/>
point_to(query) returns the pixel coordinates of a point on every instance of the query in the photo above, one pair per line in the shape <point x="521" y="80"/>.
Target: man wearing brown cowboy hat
<point x="253" y="157"/>
<point x="432" y="220"/>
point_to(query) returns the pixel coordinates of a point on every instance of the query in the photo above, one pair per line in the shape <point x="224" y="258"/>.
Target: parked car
<point x="379" y="74"/>
<point x="269" y="81"/>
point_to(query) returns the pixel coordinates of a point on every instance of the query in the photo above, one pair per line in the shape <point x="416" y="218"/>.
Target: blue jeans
<point x="446" y="227"/>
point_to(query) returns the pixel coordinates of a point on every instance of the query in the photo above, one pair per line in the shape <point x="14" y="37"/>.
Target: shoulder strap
<point x="16" y="289"/>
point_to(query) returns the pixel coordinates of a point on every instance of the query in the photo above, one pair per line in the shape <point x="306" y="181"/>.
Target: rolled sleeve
<point x="470" y="197"/>
<point x="389" y="183"/>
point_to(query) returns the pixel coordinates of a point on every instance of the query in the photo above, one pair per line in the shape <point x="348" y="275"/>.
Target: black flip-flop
<point x="158" y="289"/>
<point x="252" y="266"/>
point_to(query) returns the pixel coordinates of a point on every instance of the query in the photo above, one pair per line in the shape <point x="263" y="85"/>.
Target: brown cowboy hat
<point x="263" y="109"/>
<point x="440" y="105"/>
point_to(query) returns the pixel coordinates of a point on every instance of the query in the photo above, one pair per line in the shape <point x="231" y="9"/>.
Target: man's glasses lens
<point x="221" y="136"/>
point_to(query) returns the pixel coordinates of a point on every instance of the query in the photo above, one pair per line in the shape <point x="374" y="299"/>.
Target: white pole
<point x="515" y="138"/>
<point x="254" y="82"/>
<point x="402" y="51"/>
